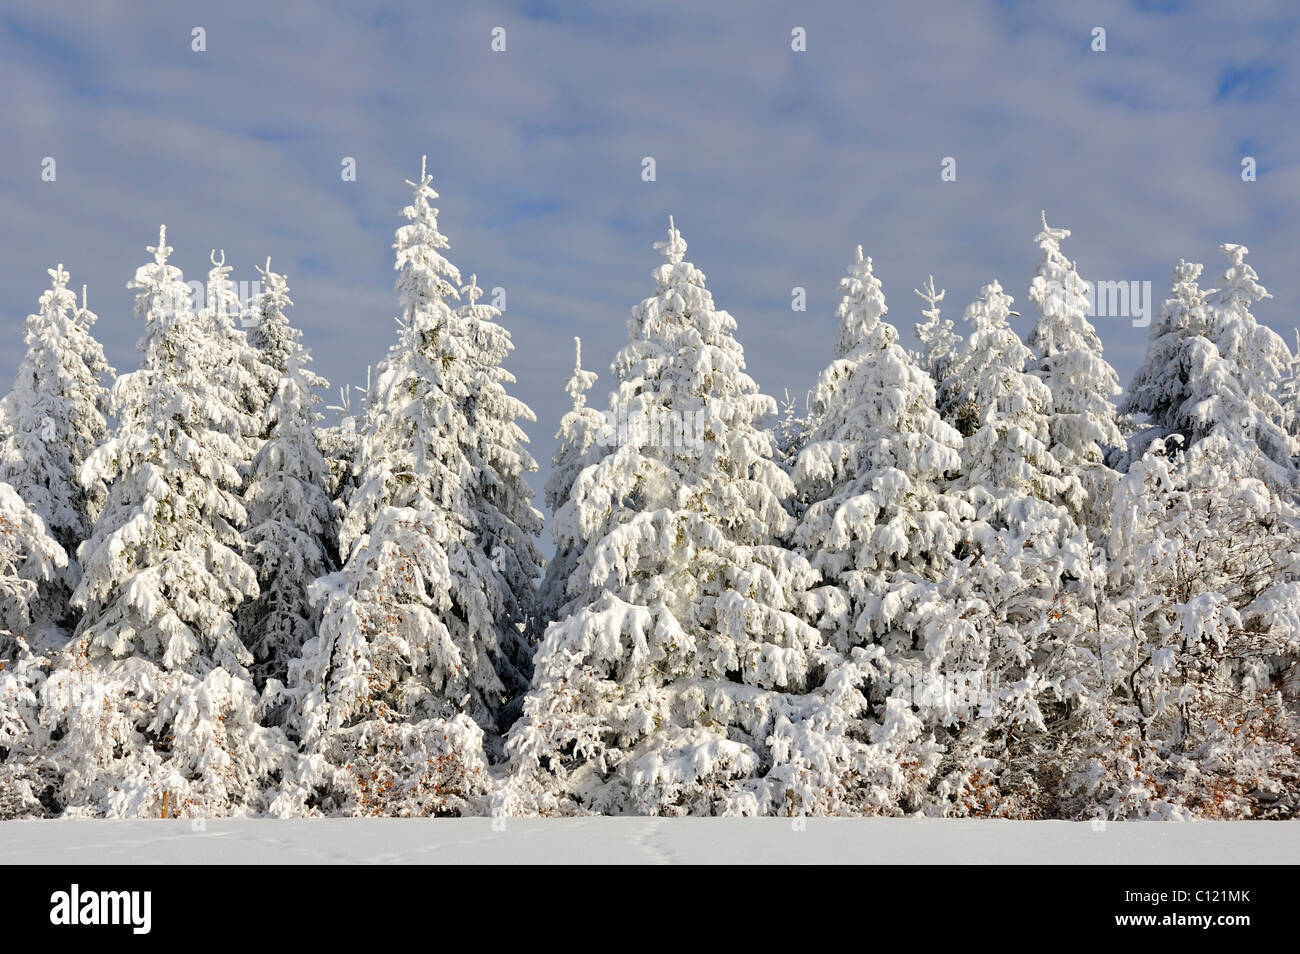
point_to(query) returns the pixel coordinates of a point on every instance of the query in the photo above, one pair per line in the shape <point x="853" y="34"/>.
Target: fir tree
<point x="54" y="415"/>
<point x="1006" y="410"/>
<point x="939" y="343"/>
<point x="1211" y="368"/>
<point x="150" y="708"/>
<point x="423" y="624"/>
<point x="269" y="329"/>
<point x="1026" y="567"/>
<point x="580" y="429"/>
<point x="872" y="465"/>
<point x="289" y="539"/>
<point x="162" y="568"/>
<point x="502" y="520"/>
<point x="1068" y="358"/>
<point x="881" y="528"/>
<point x="681" y="680"/>
<point x="1258" y="360"/>
<point x="1289" y="391"/>
<point x="291" y="531"/>
<point x="793" y="428"/>
<point x="1167" y="387"/>
<point x="234" y="362"/>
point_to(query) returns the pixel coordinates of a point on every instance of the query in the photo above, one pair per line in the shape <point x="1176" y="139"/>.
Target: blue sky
<point x="775" y="163"/>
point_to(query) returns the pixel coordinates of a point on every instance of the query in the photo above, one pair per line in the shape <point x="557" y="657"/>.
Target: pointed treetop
<point x="1050" y="238"/>
<point x="861" y="309"/>
<point x="580" y="381"/>
<point x="273" y="283"/>
<point x="83" y="299"/>
<point x="57" y="297"/>
<point x="1186" y="271"/>
<point x="859" y="268"/>
<point x="162" y="249"/>
<point x="928" y="294"/>
<point x="472" y="291"/>
<point x="220" y="289"/>
<point x="1237" y="253"/>
<point x="675" y="248"/>
<point x="1240" y="281"/>
<point x="423" y="185"/>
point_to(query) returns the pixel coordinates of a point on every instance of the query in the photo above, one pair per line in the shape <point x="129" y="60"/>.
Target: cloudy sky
<point x="776" y="163"/>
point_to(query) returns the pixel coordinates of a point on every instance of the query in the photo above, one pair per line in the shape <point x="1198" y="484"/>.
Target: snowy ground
<point x="644" y="840"/>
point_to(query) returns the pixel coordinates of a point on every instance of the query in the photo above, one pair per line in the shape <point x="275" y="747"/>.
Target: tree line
<point x="976" y="579"/>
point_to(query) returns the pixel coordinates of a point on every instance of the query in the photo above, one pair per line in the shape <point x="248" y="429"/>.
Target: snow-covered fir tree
<point x="290" y="537"/>
<point x="1211" y="368"/>
<point x="275" y="339"/>
<point x="422" y="629"/>
<point x="380" y="696"/>
<point x="339" y="441"/>
<point x="681" y="680"/>
<point x="872" y="467"/>
<point x="276" y="342"/>
<point x="269" y="328"/>
<point x="29" y="557"/>
<point x="1019" y="557"/>
<point x="162" y="569"/>
<point x="1068" y="357"/>
<point x="53" y="416"/>
<point x="1173" y="380"/>
<point x="501" y="518"/>
<point x="1005" y="411"/>
<point x="150" y="707"/>
<point x="793" y="426"/>
<point x="939" y="343"/>
<point x="881" y="528"/>
<point x="1259" y="360"/>
<point x="962" y="393"/>
<point x="580" y="429"/>
<point x="289" y="541"/>
<point x="237" y="364"/>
